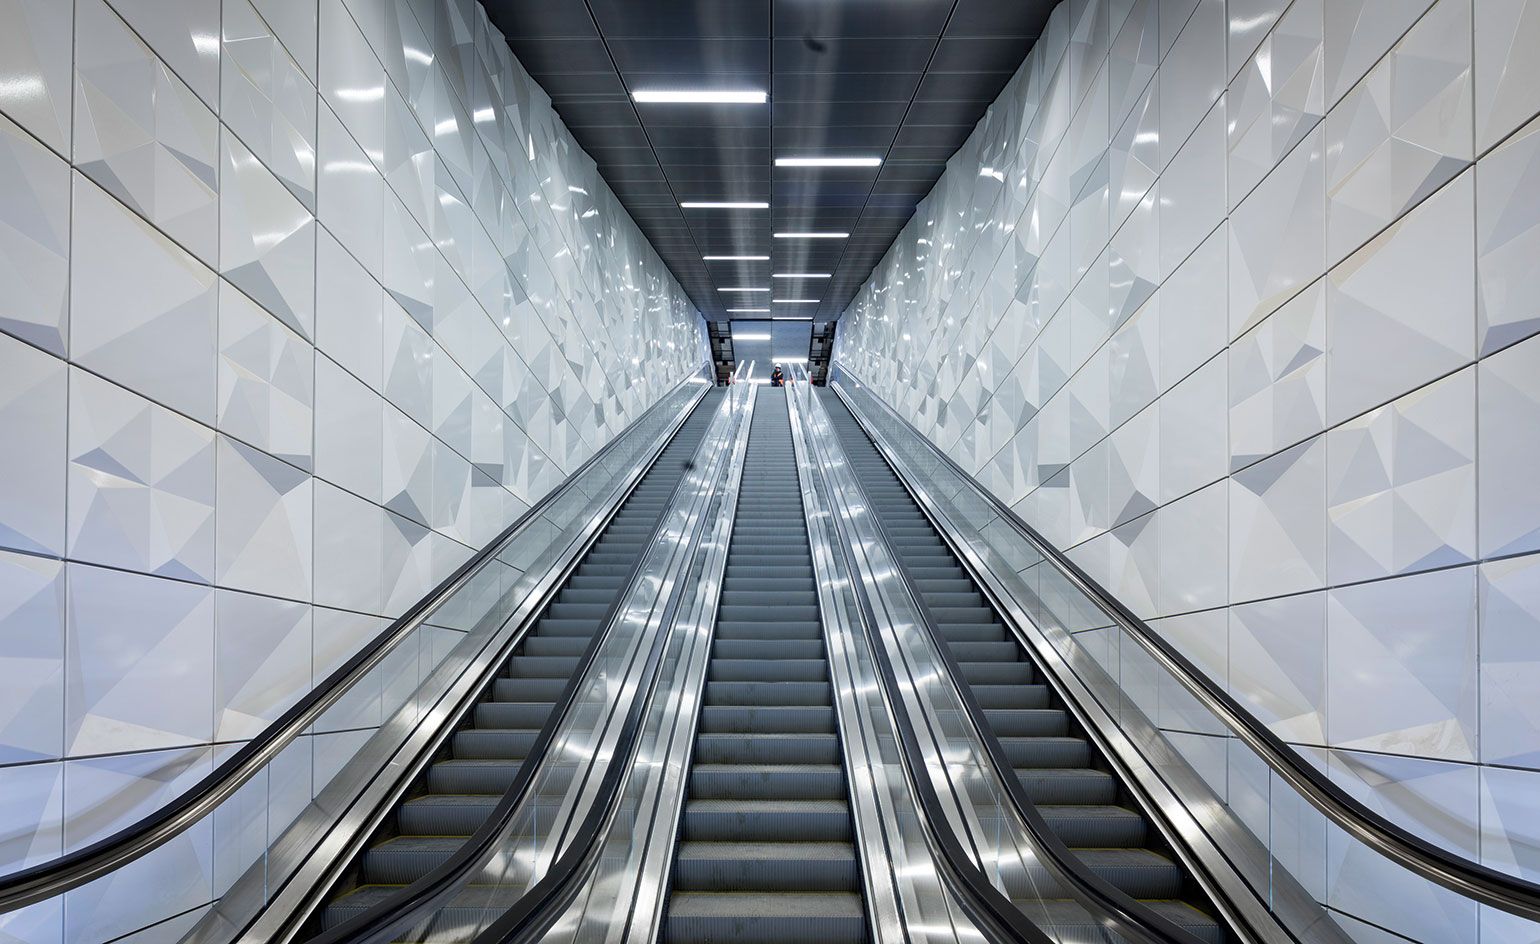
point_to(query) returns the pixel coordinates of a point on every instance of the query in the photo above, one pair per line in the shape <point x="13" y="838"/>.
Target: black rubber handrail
<point x="1463" y="876"/>
<point x="386" y="919"/>
<point x="1131" y="919"/>
<point x="73" y="869"/>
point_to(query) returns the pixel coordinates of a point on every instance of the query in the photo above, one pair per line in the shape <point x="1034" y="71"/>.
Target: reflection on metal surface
<point x="1273" y="867"/>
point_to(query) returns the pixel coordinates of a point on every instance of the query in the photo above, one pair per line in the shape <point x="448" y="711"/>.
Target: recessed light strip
<point x="791" y="318"/>
<point x="724" y="205"/>
<point x="699" y="96"/>
<point x="749" y="311"/>
<point x="800" y="275"/>
<point x="796" y="301"/>
<point x="828" y="162"/>
<point x="742" y="288"/>
<point x="812" y="235"/>
<point x="736" y="258"/>
<point x="750" y="337"/>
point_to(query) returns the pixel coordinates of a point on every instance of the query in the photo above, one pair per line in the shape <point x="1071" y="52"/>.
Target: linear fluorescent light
<point x="812" y="235"/>
<point x="789" y="359"/>
<point x="750" y="337"/>
<point x="796" y="301"/>
<point x="792" y="318"/>
<point x="747" y="311"/>
<point x="699" y="96"/>
<point x="742" y="288"/>
<point x="736" y="258"/>
<point x="828" y="162"/>
<point x="800" y="275"/>
<point x="724" y="205"/>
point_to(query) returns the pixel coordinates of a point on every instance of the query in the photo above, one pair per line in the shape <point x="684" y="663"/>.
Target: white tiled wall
<point x="1237" y="303"/>
<point x="302" y="301"/>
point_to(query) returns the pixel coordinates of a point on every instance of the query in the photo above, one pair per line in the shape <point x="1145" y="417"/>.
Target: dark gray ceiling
<point x="905" y="80"/>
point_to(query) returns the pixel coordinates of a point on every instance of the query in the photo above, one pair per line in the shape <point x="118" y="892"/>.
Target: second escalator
<point x="480" y="761"/>
<point x="1060" y="770"/>
<point x="765" y="851"/>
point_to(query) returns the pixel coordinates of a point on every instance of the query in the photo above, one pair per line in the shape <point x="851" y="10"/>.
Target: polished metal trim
<point x="1465" y="877"/>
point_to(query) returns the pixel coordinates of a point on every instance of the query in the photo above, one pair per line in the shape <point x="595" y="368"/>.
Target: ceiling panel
<point x="900" y="80"/>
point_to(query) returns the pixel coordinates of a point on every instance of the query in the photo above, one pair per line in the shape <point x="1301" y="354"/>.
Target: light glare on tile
<point x="828" y="162"/>
<point x="699" y="96"/>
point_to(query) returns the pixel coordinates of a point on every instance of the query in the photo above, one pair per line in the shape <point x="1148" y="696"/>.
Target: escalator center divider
<point x="493" y="755"/>
<point x="1062" y="781"/>
<point x="766" y="848"/>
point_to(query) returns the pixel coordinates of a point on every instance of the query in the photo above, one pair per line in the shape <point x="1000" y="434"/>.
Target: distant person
<point x="777" y="379"/>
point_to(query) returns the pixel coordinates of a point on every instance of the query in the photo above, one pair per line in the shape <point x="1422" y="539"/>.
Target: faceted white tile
<point x="266" y="380"/>
<point x="1508" y="388"/>
<point x="141" y="483"/>
<point x="261" y="660"/>
<point x="1507" y="90"/>
<point x="1194" y="545"/>
<point x="1509" y="600"/>
<point x="36" y="59"/>
<point x="1407" y="290"/>
<point x="295" y="25"/>
<point x="33" y="397"/>
<point x="1278" y="664"/>
<point x="347" y="553"/>
<point x="265" y="523"/>
<point x="1278" y="379"/>
<point x="267" y="100"/>
<point x="32" y="651"/>
<point x="34" y="239"/>
<point x="141" y="132"/>
<point x="1278" y="524"/>
<point x="1193" y="442"/>
<point x="1193" y="307"/>
<point x="1402" y="132"/>
<point x="266" y="239"/>
<point x="349" y="311"/>
<point x="1358" y="33"/>
<point x="139" y="657"/>
<point x="350" y="198"/>
<point x="1508" y="241"/>
<point x="1401" y="665"/>
<point x="1278" y="235"/>
<point x="1250" y="23"/>
<point x="184" y="34"/>
<point x="32" y="796"/>
<point x="348" y="430"/>
<point x="1191" y="205"/>
<point x="142" y="311"/>
<point x="351" y="80"/>
<point x="1401" y="484"/>
<point x="1509" y="841"/>
<point x="1192" y="75"/>
<point x="1277" y="98"/>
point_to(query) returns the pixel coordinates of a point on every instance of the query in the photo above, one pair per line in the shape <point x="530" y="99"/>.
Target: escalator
<point x="1059" y="769"/>
<point x="765" y="848"/>
<point x="461" y="788"/>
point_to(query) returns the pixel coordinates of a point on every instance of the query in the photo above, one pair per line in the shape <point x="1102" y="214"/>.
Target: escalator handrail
<point x="541" y="906"/>
<point x="1132" y="919"/>
<point x="49" y="879"/>
<point x="1457" y="873"/>
<point x="985" y="903"/>
<point x="382" y="921"/>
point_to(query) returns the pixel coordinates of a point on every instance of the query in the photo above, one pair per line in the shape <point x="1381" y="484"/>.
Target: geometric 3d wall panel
<point x="267" y="239"/>
<point x="34" y="240"/>
<point x="266" y="380"/>
<point x="142" y="134"/>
